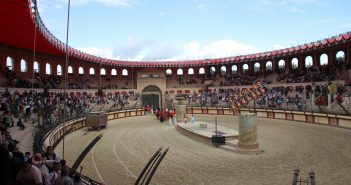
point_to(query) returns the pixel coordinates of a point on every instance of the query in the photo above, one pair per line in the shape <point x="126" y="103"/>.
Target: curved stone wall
<point x="55" y="136"/>
<point x="335" y="120"/>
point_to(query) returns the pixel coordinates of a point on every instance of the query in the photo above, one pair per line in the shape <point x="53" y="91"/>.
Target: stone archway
<point x="152" y="96"/>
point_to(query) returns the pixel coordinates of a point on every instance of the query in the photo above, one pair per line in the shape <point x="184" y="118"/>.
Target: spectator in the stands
<point x="50" y="157"/>
<point x="29" y="175"/>
<point x="39" y="162"/>
<point x="64" y="179"/>
<point x="20" y="123"/>
<point x="5" y="175"/>
<point x="26" y="156"/>
<point x="55" y="174"/>
<point x="50" y="154"/>
<point x="77" y="180"/>
<point x="16" y="157"/>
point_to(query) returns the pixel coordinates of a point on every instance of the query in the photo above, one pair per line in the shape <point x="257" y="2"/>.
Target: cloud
<point x="219" y="48"/>
<point x="135" y="48"/>
<point x="278" y="46"/>
<point x="294" y="6"/>
<point x="346" y="25"/>
<point x="139" y="49"/>
<point x="58" y="6"/>
<point x="324" y="21"/>
<point x="201" y="6"/>
<point x="296" y="10"/>
<point x="161" y="13"/>
<point x="102" y="52"/>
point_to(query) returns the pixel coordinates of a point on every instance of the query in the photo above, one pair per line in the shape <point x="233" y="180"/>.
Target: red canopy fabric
<point x="17" y="29"/>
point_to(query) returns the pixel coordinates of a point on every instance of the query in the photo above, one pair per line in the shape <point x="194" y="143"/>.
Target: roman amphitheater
<point x="300" y="98"/>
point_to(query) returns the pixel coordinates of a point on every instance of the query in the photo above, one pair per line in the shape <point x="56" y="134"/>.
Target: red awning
<point x="17" y="29"/>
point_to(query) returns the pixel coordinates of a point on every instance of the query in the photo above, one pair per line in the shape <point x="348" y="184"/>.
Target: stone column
<point x="248" y="132"/>
<point x="180" y="112"/>
<point x="329" y="101"/>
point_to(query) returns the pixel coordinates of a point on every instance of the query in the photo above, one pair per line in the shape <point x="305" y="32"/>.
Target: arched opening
<point x="80" y="71"/>
<point x="308" y="62"/>
<point x="23" y="66"/>
<point x="323" y="59"/>
<point x="91" y="71"/>
<point x="245" y="68"/>
<point x="124" y="72"/>
<point x="168" y="72"/>
<point x="151" y="96"/>
<point x="223" y="70"/>
<point x="281" y="64"/>
<point x="212" y="71"/>
<point x="36" y="67"/>
<point x="48" y="69"/>
<point x="190" y="71"/>
<point x="269" y="66"/>
<point x="202" y="71"/>
<point x="294" y="63"/>
<point x="58" y="70"/>
<point x="113" y="72"/>
<point x="103" y="72"/>
<point x="340" y="57"/>
<point x="257" y="67"/>
<point x="70" y="70"/>
<point x="180" y="72"/>
<point x="234" y="69"/>
<point x="9" y="63"/>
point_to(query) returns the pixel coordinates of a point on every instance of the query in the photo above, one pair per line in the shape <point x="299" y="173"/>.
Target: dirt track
<point x="128" y="144"/>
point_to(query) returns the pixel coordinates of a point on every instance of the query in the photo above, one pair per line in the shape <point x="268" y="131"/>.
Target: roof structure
<point x="20" y="23"/>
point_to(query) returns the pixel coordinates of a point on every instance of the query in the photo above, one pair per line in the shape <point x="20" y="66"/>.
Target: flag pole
<point x="66" y="78"/>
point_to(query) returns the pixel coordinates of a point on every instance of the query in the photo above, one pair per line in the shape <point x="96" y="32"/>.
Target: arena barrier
<point x="335" y="120"/>
<point x="54" y="136"/>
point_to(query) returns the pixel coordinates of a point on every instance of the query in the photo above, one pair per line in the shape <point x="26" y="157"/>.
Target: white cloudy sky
<point x="192" y="29"/>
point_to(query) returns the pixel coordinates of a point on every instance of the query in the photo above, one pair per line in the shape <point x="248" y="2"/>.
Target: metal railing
<point x="41" y="131"/>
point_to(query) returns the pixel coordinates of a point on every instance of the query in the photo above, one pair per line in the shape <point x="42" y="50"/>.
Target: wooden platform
<point x="201" y="133"/>
<point x="198" y="132"/>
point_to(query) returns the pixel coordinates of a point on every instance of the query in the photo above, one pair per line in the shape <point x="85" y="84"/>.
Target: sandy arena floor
<point x="127" y="145"/>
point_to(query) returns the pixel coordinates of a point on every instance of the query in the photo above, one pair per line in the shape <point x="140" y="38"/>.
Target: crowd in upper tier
<point x="274" y="97"/>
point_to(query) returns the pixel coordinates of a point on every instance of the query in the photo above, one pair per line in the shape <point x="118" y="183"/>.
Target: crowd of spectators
<point x="191" y="81"/>
<point x="312" y="74"/>
<point x="278" y="96"/>
<point x="346" y="100"/>
<point x="45" y="168"/>
<point x="274" y="97"/>
<point x="18" y="168"/>
<point x="238" y="80"/>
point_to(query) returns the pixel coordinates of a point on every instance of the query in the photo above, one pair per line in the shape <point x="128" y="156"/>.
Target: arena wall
<point x="308" y="117"/>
